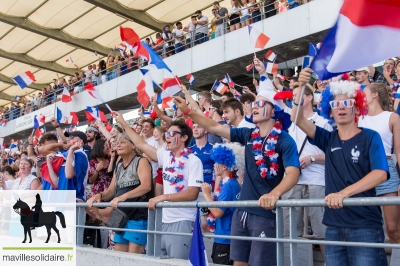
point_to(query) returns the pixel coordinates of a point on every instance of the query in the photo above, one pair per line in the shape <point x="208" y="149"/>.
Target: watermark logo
<point x="37" y="227"/>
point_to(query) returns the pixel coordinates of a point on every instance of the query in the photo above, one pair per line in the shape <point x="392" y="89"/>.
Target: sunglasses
<point x="172" y="133"/>
<point x="260" y="103"/>
<point x="348" y="103"/>
<point x="89" y="131"/>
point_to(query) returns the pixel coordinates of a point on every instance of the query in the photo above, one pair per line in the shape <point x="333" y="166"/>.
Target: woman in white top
<point x="159" y="136"/>
<point x="381" y="119"/>
<point x="26" y="181"/>
<point x="234" y="15"/>
<point x="7" y="177"/>
<point x="245" y="19"/>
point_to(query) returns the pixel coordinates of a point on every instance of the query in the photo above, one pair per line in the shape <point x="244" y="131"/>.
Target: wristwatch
<point x="312" y="159"/>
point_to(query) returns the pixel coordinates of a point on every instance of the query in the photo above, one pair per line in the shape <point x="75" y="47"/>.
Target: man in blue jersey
<point x="76" y="167"/>
<point x="355" y="163"/>
<point x="202" y="150"/>
<point x="265" y="166"/>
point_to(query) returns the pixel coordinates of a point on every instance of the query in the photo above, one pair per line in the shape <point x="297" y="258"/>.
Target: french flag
<point x="372" y="22"/>
<point x="130" y="38"/>
<point x="13" y="147"/>
<point x="230" y="82"/>
<point x="70" y="118"/>
<point x="121" y="47"/>
<point x="39" y="132"/>
<point x="25" y="79"/>
<point x="93" y="92"/>
<point x="95" y="114"/>
<point x="145" y="88"/>
<point x="198" y="254"/>
<point x="69" y="60"/>
<point x="3" y="122"/>
<point x="220" y="87"/>
<point x="66" y="96"/>
<point x="257" y="38"/>
<point x="250" y="67"/>
<point x="313" y="49"/>
<point x="190" y="78"/>
<point x="38" y="121"/>
<point x="16" y="98"/>
<point x="152" y="57"/>
<point x="271" y="68"/>
<point x="146" y="114"/>
<point x="171" y="86"/>
<point x="270" y="56"/>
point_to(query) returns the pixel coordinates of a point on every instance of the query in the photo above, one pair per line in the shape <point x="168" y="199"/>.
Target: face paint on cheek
<point x="265" y="112"/>
<point x="352" y="110"/>
<point x="175" y="140"/>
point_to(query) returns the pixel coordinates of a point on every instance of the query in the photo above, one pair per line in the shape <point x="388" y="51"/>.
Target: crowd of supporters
<point x="168" y="42"/>
<point x="226" y="149"/>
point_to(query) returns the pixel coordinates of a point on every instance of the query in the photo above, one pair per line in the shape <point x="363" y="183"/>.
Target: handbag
<point x="117" y="219"/>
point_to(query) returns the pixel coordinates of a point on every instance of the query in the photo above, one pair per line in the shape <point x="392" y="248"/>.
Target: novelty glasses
<point x="260" y="103"/>
<point x="348" y="103"/>
<point x="172" y="133"/>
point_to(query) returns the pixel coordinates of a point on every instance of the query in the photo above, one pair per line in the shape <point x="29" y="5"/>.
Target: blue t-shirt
<point x="208" y="164"/>
<point x="347" y="162"/>
<point x="249" y="119"/>
<point x="229" y="192"/>
<point x="78" y="182"/>
<point x="211" y="138"/>
<point x="254" y="186"/>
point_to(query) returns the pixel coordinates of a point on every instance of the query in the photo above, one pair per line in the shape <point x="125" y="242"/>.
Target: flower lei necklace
<point x="272" y="139"/>
<point x="211" y="218"/>
<point x="176" y="169"/>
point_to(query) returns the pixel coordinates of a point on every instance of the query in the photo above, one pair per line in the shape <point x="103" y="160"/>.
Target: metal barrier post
<point x="158" y="227"/>
<point x="293" y="235"/>
<point x="279" y="234"/>
<point x="150" y="237"/>
<point x="80" y="220"/>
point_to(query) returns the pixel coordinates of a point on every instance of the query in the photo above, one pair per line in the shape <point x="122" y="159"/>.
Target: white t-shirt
<point x="88" y="75"/>
<point x="244" y="123"/>
<point x="245" y="10"/>
<point x="25" y="184"/>
<point x="202" y="28"/>
<point x="179" y="34"/>
<point x="314" y="174"/>
<point x="154" y="165"/>
<point x="193" y="177"/>
<point x="191" y="27"/>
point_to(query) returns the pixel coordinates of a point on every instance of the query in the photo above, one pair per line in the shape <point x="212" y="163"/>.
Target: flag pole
<point x="298" y="107"/>
<point x="212" y="88"/>
<point x="33" y="131"/>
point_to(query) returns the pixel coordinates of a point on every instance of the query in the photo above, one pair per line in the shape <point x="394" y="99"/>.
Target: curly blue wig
<point x="325" y="107"/>
<point x="223" y="155"/>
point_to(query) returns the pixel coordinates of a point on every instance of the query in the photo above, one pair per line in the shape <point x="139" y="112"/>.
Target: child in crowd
<point x="228" y="158"/>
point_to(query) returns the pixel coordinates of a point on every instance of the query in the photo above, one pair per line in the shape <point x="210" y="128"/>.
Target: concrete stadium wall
<point x="307" y="19"/>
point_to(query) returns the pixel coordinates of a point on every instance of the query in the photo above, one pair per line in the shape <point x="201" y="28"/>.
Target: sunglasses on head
<point x="260" y="103"/>
<point x="348" y="103"/>
<point x="89" y="131"/>
<point x="172" y="133"/>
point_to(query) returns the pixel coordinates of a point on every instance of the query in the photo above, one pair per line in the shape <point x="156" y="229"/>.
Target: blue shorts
<point x="392" y="184"/>
<point x="255" y="253"/>
<point x="245" y="18"/>
<point x="134" y="237"/>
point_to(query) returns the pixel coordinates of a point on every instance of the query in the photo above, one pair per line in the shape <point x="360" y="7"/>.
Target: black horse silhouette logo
<point x="32" y="219"/>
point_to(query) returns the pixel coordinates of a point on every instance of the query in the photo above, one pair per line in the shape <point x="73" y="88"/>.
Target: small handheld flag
<point x="69" y="60"/>
<point x="95" y="94"/>
<point x="270" y="56"/>
<point x="257" y="38"/>
<point x="191" y="79"/>
<point x="250" y="67"/>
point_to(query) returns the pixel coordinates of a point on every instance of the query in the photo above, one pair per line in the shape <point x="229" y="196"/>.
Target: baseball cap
<point x="78" y="134"/>
<point x="366" y="69"/>
<point x="92" y="129"/>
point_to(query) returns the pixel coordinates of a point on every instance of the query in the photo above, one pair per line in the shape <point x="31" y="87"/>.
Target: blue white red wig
<point x="229" y="154"/>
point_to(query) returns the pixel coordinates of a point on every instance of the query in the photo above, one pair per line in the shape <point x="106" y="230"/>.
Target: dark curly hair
<point x="184" y="128"/>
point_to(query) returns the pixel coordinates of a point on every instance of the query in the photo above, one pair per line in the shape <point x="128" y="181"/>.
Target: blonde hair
<point x="385" y="95"/>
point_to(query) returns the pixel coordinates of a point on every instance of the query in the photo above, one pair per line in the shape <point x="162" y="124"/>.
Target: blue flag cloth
<point x="198" y="255"/>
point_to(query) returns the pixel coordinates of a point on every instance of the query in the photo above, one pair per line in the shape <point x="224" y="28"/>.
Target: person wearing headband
<point x="354" y="165"/>
<point x="269" y="153"/>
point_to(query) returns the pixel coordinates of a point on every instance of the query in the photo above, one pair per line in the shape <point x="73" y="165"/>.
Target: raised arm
<point x="103" y="129"/>
<point x="194" y="106"/>
<point x="160" y="113"/>
<point x="60" y="133"/>
<point x="303" y="123"/>
<point x="278" y="84"/>
<point x="139" y="142"/>
<point x="208" y="124"/>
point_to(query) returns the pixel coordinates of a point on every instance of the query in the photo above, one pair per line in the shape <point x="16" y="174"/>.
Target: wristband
<point x="263" y="73"/>
<point x="298" y="104"/>
<point x="30" y="144"/>
<point x="187" y="112"/>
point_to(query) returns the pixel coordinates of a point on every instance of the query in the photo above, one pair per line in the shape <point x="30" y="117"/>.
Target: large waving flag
<point x="371" y="22"/>
<point x="257" y="38"/>
<point x="67" y="118"/>
<point x="25" y="79"/>
<point x="39" y="132"/>
<point x="152" y="57"/>
<point x="145" y="88"/>
<point x="130" y="38"/>
<point x="198" y="254"/>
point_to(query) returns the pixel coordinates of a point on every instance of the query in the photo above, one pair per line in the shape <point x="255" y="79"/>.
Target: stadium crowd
<point x="168" y="42"/>
<point x="227" y="149"/>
